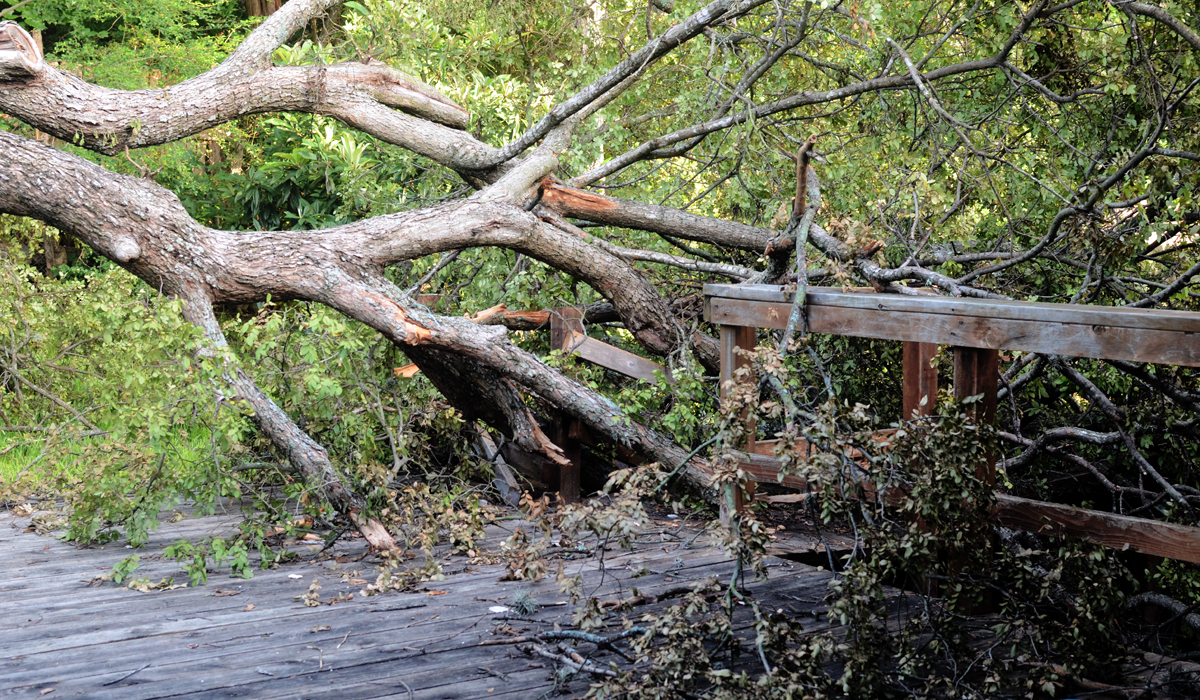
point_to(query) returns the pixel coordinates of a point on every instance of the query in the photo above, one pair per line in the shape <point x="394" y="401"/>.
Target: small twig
<point x="127" y="675"/>
<point x="586" y="666"/>
<point x="441" y="265"/>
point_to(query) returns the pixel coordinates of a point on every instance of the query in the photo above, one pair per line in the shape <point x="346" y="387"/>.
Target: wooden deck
<point x="235" y="638"/>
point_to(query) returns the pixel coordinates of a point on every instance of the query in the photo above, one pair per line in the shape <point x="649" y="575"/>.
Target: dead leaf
<point x="436" y="592"/>
<point x="221" y="594"/>
<point x="319" y="628"/>
<point x="312" y="537"/>
<point x="357" y="582"/>
<point x="145" y="585"/>
<point x="248" y="608"/>
<point x="46" y="690"/>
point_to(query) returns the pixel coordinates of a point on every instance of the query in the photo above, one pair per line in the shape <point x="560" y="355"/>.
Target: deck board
<point x="106" y="642"/>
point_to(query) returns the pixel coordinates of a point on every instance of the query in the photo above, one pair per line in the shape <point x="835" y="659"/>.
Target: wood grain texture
<point x="108" y="643"/>
<point x="623" y="361"/>
<point x="920" y="380"/>
<point x="976" y="373"/>
<point x="1109" y="529"/>
<point x="733" y="338"/>
<point x="1176" y="343"/>
<point x="568" y="474"/>
<point x="1122" y="317"/>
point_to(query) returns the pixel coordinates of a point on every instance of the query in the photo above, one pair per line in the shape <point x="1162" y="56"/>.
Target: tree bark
<point x="145" y="229"/>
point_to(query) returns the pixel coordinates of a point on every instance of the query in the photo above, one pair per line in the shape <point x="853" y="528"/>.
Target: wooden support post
<point x="975" y="372"/>
<point x="568" y="474"/>
<point x="732" y="338"/>
<point x="920" y="379"/>
<point x="565" y="323"/>
<point x="566" y="328"/>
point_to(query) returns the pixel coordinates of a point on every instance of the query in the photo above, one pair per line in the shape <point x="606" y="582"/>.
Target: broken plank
<point x="623" y="361"/>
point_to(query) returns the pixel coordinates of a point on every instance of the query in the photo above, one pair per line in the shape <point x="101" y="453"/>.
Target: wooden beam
<point x="1122" y="532"/>
<point x="977" y="328"/>
<point x="733" y="338"/>
<point x="976" y="373"/>
<point x="568" y="474"/>
<point x="920" y="380"/>
<point x="765" y="470"/>
<point x="1136" y="335"/>
<point x="1109" y="529"/>
<point x="566" y="333"/>
<point x="618" y="360"/>
<point x="566" y="323"/>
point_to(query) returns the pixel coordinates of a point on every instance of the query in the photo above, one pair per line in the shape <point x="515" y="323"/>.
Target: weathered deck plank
<point x="107" y="642"/>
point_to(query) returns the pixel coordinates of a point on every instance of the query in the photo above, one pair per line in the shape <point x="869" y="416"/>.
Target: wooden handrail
<point x="1115" y="333"/>
<point x="978" y="329"/>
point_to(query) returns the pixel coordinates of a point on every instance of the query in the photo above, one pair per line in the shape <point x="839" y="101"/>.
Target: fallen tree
<point x="519" y="204"/>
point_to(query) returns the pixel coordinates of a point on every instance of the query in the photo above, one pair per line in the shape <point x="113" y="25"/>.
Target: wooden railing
<point x="977" y="329"/>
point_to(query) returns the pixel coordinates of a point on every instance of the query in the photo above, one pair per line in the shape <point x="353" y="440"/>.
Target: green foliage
<point x="197" y="559"/>
<point x="122" y="569"/>
<point x="112" y="404"/>
<point x="109" y="403"/>
<point x="922" y="516"/>
<point x="129" y="44"/>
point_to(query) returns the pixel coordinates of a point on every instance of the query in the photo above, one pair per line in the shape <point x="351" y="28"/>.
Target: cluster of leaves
<point x="916" y="499"/>
<point x="107" y="402"/>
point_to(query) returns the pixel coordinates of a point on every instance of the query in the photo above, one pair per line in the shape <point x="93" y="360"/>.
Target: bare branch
<point x="635" y="63"/>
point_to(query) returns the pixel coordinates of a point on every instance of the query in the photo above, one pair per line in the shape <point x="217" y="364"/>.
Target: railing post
<point x="566" y="325"/>
<point x="732" y="338"/>
<point x="975" y="372"/>
<point x="920" y="380"/>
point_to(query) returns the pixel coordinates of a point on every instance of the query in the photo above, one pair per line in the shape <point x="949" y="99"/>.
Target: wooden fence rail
<point x="977" y="329"/>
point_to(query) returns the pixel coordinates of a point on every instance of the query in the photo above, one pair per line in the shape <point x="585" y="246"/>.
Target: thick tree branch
<point x="625" y="213"/>
<point x="342" y="267"/>
<point x="1140" y="8"/>
<point x="305" y="454"/>
<point x="363" y="95"/>
<point x="20" y="59"/>
<point x="360" y="95"/>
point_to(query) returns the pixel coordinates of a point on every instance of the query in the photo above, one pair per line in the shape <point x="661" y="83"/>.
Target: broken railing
<point x="976" y="329"/>
<point x="567" y="335"/>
